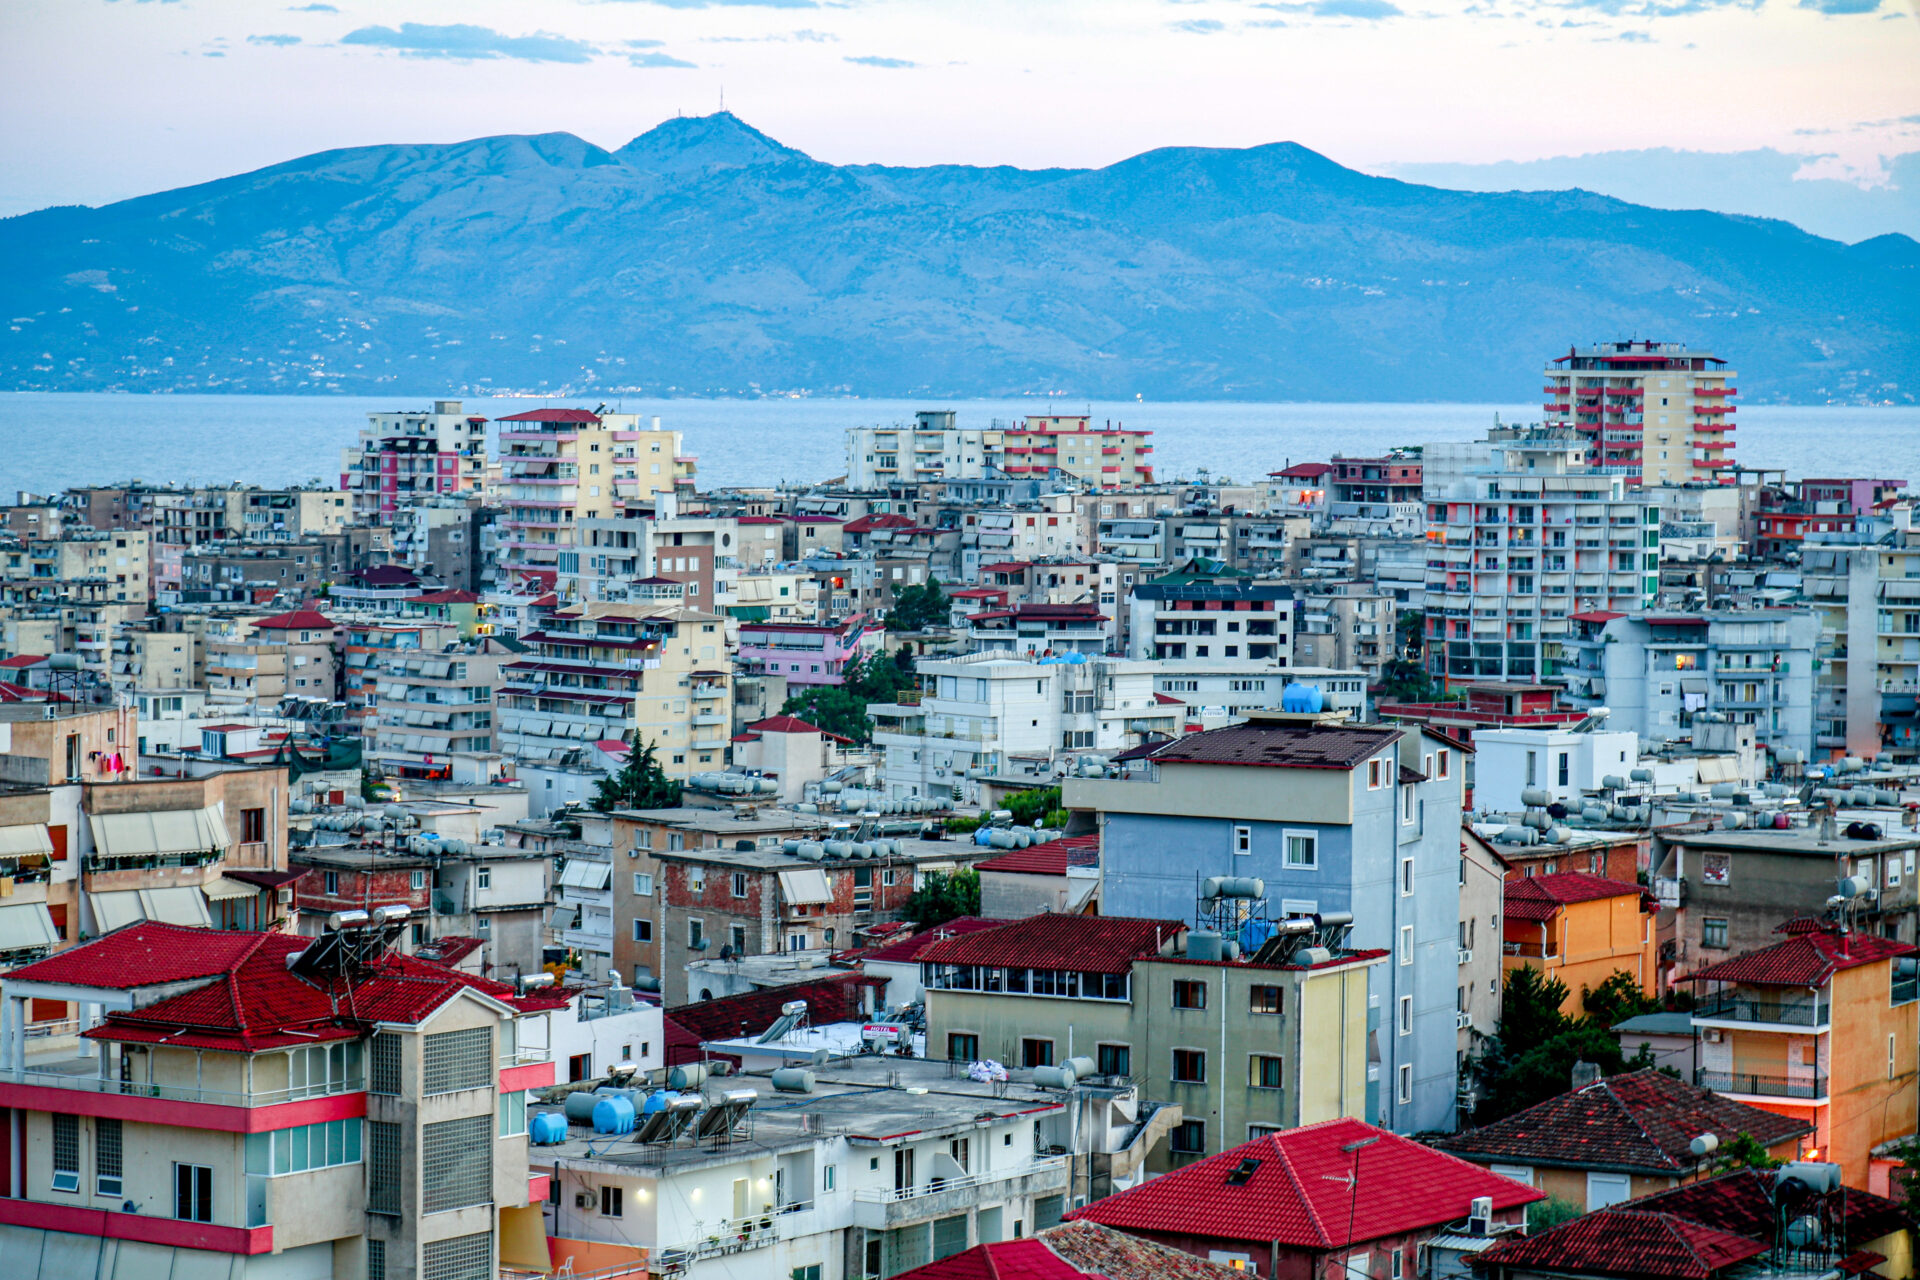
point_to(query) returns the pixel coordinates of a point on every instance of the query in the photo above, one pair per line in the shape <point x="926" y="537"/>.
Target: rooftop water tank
<point x="548" y="1128"/>
<point x="1302" y="699"/>
<point x="613" y="1115"/>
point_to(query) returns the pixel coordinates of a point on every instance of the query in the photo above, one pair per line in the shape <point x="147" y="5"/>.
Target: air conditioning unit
<point x="582" y="1200"/>
<point x="1466" y="955"/>
<point x="1480" y="1216"/>
<point x="1462" y="1020"/>
<point x="1712" y="1035"/>
<point x="285" y="894"/>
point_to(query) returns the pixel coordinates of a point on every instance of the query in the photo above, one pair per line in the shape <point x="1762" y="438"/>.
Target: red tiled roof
<point x="1281" y="745"/>
<point x="1540" y="897"/>
<point x="446" y="597"/>
<point x="1742" y="1202"/>
<point x="1073" y="1251"/>
<point x="23" y="660"/>
<point x="834" y="999"/>
<point x="1090" y="944"/>
<point x="10" y="692"/>
<point x="1806" y="960"/>
<point x="1299" y="1195"/>
<point x="142" y="955"/>
<point x="905" y="949"/>
<point x="1642" y="1121"/>
<point x="1613" y="1242"/>
<point x="552" y="415"/>
<point x="1050" y="858"/>
<point x="1303" y="471"/>
<point x="783" y="724"/>
<point x="298" y="620"/>
<point x="867" y="524"/>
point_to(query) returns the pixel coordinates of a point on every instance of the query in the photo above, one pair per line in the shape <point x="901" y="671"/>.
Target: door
<point x="903" y="1168"/>
<point x="740" y="1209"/>
<point x="1802" y="1067"/>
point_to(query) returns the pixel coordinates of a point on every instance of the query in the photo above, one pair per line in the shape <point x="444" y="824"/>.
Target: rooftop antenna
<point x="723" y="98"/>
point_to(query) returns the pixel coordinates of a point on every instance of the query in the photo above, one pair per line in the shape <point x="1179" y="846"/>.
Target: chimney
<point x="1585" y="1073"/>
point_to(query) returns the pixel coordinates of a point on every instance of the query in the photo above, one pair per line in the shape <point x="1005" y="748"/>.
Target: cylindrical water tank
<point x="657" y="1101"/>
<point x="1241" y="887"/>
<point x="547" y="1129"/>
<point x="1539" y="821"/>
<point x="830" y="788"/>
<point x="1203" y="944"/>
<point x="579" y="1107"/>
<point x="793" y="1080"/>
<point x="1723" y="790"/>
<point x="1556" y="835"/>
<point x="613" y="1115"/>
<point x="689" y="1075"/>
<point x="1081" y="1066"/>
<point x="1640" y="775"/>
<point x="1053" y="1077"/>
<point x="1535" y="796"/>
<point x="983" y="835"/>
<point x="840" y="848"/>
<point x="1613" y="782"/>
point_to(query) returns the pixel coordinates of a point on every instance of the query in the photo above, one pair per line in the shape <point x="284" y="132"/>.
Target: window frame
<point x="1183" y="991"/>
<point x="1403" y="1016"/>
<point x="1242" y="840"/>
<point x="1287" y="836"/>
<point x="1406" y="944"/>
<point x="1257" y="1065"/>
<point x="1255" y="1005"/>
<point x="1196" y="1057"/>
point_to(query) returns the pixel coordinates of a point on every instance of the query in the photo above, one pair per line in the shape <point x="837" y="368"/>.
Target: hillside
<point x="705" y="258"/>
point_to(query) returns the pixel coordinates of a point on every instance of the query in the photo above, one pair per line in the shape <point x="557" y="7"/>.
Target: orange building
<point x="1579" y="928"/>
<point x="1820" y="1027"/>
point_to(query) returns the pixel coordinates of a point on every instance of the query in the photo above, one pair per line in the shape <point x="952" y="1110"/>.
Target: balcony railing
<point x="1770" y="1086"/>
<point x="1747" y="1008"/>
<point x="84" y="1083"/>
<point x="939" y="1186"/>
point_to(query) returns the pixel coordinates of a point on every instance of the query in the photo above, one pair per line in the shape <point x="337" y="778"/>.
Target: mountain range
<point x="706" y="258"/>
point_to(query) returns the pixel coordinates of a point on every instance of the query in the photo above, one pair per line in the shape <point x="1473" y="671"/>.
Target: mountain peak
<point x="719" y="141"/>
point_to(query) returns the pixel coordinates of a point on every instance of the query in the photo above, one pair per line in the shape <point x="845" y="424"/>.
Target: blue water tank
<point x="613" y="1115"/>
<point x="1254" y="933"/>
<point x="657" y="1101"/>
<point x="983" y="835"/>
<point x="548" y="1128"/>
<point x="1302" y="699"/>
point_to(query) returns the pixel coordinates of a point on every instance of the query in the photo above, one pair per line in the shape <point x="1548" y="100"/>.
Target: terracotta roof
<point x="1167" y="700"/>
<point x="1303" y="471"/>
<point x="904" y="949"/>
<point x="298" y="620"/>
<point x="1298" y="1195"/>
<point x="1641" y="1121"/>
<point x="1089" y="944"/>
<point x="835" y="999"/>
<point x="446" y="597"/>
<point x="1616" y="1243"/>
<point x="1050" y="858"/>
<point x="142" y="955"/>
<point x="1742" y="1202"/>
<point x="784" y="724"/>
<point x="1805" y="960"/>
<point x="552" y="415"/>
<point x="23" y="660"/>
<point x="1540" y="897"/>
<point x="1597" y="615"/>
<point x="1280" y="746"/>
<point x="1073" y="1251"/>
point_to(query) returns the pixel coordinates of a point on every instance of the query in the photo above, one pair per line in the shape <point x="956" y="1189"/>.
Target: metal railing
<point x="1728" y="1007"/>
<point x="176" y="1093"/>
<point x="1771" y="1086"/>
<point x="937" y="1186"/>
<point x="737" y="1235"/>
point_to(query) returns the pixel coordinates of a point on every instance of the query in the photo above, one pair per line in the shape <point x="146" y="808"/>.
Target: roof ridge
<point x="1606" y="1082"/>
<point x="1300" y="1191"/>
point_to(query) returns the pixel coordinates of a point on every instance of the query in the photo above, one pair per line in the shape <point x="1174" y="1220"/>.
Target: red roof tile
<point x="149" y="954"/>
<point x="24" y="660"/>
<point x="298" y="620"/>
<point x="1073" y="1251"/>
<point x="784" y="724"/>
<point x="446" y="597"/>
<point x="552" y="415"/>
<point x="867" y="524"/>
<point x="1616" y="1243"/>
<point x="1540" y="897"/>
<point x="1742" y="1202"/>
<point x="1047" y="859"/>
<point x="1642" y="1121"/>
<point x="834" y="999"/>
<point x="905" y="949"/>
<point x="1806" y="960"/>
<point x="1089" y="944"/>
<point x="1299" y="1195"/>
<point x="1303" y="471"/>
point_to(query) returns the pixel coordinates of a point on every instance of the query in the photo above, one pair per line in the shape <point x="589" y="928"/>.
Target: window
<point x="809" y="1272"/>
<point x="610" y="1202"/>
<point x="456" y="1164"/>
<point x="1188" y="1138"/>
<point x="1406" y="1082"/>
<point x="829" y="1177"/>
<point x="1189" y="995"/>
<point x="1303" y="850"/>
<point x="737" y="938"/>
<point x="1395" y="1270"/>
<point x="193" y="1192"/>
<point x="697" y="934"/>
<point x="1266" y="1000"/>
<point x="461" y="1258"/>
<point x="1406" y="944"/>
<point x="1532" y="767"/>
<point x="1263" y="1071"/>
<point x="1409" y="804"/>
<point x="642" y="885"/>
<point x="385" y="1052"/>
<point x="643" y="838"/>
<point x="1713" y="931"/>
<point x="1036" y="1053"/>
<point x="889" y="877"/>
<point x="1376" y="774"/>
<point x="454" y="1060"/>
<point x="642" y="930"/>
<point x="1243" y="840"/>
<point x="483" y="877"/>
<point x="107" y="1168"/>
<point x="1189" y="1066"/>
<point x="1113" y="1059"/>
<point x="253" y="830"/>
<point x="303" y="1147"/>
<point x="66" y="1153"/>
<point x="1406" y="1015"/>
<point x="1406" y="877"/>
<point x="963" y="1047"/>
<point x="1446" y="763"/>
<point x="418" y="880"/>
<point x="331" y="880"/>
<point x="377" y="1254"/>
<point x="675" y="840"/>
<point x="739" y="884"/>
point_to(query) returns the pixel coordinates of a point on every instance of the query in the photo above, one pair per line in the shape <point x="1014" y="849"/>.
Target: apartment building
<point x="1109" y="456"/>
<point x="405" y="456"/>
<point x="1649" y="412"/>
<point x="1381" y="493"/>
<point x="1657" y="673"/>
<point x="1819" y="1027"/>
<point x="646" y="674"/>
<point x="258" y="663"/>
<point x="1330" y="817"/>
<point x="1200" y="614"/>
<point x="1579" y="929"/>
<point x="433" y="708"/>
<point x="322" y="1107"/>
<point x="118" y="560"/>
<point x="366" y="644"/>
<point x="1215" y="691"/>
<point x="145" y="658"/>
<point x="806" y="654"/>
<point x="1224" y="1040"/>
<point x="1516" y="549"/>
<point x="933" y="449"/>
<point x="1865" y="589"/>
<point x="1040" y="630"/>
<point x="1353" y="629"/>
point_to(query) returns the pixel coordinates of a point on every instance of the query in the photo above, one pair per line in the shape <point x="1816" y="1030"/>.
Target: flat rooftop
<point x="1796" y="840"/>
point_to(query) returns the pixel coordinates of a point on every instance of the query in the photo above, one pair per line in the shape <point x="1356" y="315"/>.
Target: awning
<point x="1716" y="769"/>
<point x="219" y="889"/>
<point x="584" y="873"/>
<point x="1693" y="684"/>
<point x="805" y="886"/>
<point x="179" y="905"/>
<point x="120" y="835"/>
<point x="18" y="842"/>
<point x="26" y="924"/>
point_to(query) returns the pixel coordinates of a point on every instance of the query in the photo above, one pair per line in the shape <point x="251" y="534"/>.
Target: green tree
<point x="834" y="708"/>
<point x="877" y="677"/>
<point x="640" y="784"/>
<point x="943" y="897"/>
<point x="1530" y="1005"/>
<point x="1615" y="1000"/>
<point x="1405" y="680"/>
<point x="1545" y="1215"/>
<point x="1410" y="633"/>
<point x="1745" y="1152"/>
<point x="917" y="608"/>
<point x="1029" y="807"/>
<point x="1545" y="1069"/>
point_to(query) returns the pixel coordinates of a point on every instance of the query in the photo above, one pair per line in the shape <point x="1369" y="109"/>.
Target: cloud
<point x="641" y="44"/>
<point x="891" y="64"/>
<point x="730" y="4"/>
<point x="802" y="36"/>
<point x="1634" y="37"/>
<point x="656" y="60"/>
<point x="1365" y="10"/>
<point x="1837" y="7"/>
<point x="1199" y="26"/>
<point x="467" y="43"/>
<point x="312" y="8"/>
<point x="281" y="41"/>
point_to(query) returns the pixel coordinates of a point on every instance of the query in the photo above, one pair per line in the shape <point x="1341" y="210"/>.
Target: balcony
<point x="739" y="1235"/>
<point x="82" y="1075"/>
<point x="881" y="1208"/>
<point x="1803" y="1086"/>
<point x="1746" y="1007"/>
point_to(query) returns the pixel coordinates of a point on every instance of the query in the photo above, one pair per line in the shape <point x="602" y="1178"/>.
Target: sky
<point x="106" y="99"/>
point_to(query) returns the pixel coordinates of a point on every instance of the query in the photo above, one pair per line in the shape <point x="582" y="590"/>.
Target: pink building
<point x="805" y="654"/>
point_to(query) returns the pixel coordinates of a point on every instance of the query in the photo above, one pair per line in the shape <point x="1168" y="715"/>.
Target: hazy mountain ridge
<point x="704" y="257"/>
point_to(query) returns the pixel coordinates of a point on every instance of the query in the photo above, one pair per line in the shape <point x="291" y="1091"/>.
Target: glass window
<point x="1189" y="995"/>
<point x="1264" y="1071"/>
<point x="1189" y="1066"/>
<point x="1713" y="931"/>
<point x="1303" y="850"/>
<point x="1265" y="999"/>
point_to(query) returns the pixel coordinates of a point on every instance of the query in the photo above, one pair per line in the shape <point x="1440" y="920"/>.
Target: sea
<point x="49" y="441"/>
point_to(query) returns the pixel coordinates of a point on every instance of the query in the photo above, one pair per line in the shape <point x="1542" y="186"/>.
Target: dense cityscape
<point x="518" y="860"/>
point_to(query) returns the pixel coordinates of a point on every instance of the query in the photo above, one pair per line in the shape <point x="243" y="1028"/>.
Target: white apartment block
<point x="431" y="709"/>
<point x="932" y="449"/>
<point x="408" y="454"/>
